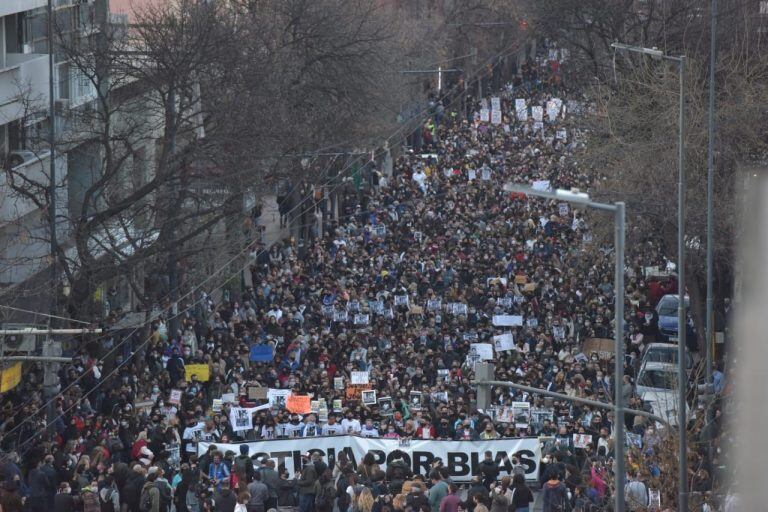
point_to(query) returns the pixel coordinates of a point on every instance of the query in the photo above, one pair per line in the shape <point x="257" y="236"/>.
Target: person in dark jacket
<point x="476" y="488"/>
<point x="150" y="489"/>
<point x="224" y="500"/>
<point x="521" y="495"/>
<point x="488" y="470"/>
<point x="244" y="463"/>
<point x="10" y="500"/>
<point x="285" y="491"/>
<point x="64" y="501"/>
<point x="39" y="485"/>
<point x="307" y="484"/>
<point x="271" y="479"/>
<point x="554" y="493"/>
<point x="133" y="487"/>
<point x="397" y="473"/>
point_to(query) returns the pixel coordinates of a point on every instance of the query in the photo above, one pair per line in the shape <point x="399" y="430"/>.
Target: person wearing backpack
<point x="164" y="487"/>
<point x="90" y="498"/>
<point x="244" y="464"/>
<point x="555" y="494"/>
<point x="109" y="497"/>
<point x="325" y="492"/>
<point x="150" y="495"/>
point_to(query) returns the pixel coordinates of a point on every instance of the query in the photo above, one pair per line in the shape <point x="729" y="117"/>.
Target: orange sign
<point x="299" y="404"/>
<point x="355" y="392"/>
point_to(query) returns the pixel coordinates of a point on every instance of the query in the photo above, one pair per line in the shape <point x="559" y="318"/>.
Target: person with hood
<point x="243" y="464"/>
<point x="488" y="470"/>
<point x="554" y="494"/>
<point x="149" y="500"/>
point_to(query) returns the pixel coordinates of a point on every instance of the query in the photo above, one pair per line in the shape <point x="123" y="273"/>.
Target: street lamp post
<point x="682" y="379"/>
<point x="574" y="196"/>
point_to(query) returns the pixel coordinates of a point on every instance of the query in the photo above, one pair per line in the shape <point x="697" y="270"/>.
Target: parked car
<point x="667" y="311"/>
<point x="657" y="388"/>
<point x="665" y="353"/>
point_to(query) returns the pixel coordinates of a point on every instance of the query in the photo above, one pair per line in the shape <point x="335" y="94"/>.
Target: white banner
<point x="507" y="320"/>
<point x="459" y="457"/>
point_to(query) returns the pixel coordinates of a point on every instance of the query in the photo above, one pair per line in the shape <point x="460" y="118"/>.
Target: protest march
<point x="342" y="379"/>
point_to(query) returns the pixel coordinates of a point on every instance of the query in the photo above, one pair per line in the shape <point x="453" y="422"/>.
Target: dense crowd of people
<point x="404" y="287"/>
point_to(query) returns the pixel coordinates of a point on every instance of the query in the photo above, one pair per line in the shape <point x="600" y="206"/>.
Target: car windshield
<point x="668" y="308"/>
<point x="662" y="356"/>
<point x="658" y="379"/>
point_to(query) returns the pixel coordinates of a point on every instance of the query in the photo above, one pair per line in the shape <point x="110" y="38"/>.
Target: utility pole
<point x="52" y="347"/>
<point x="709" y="331"/>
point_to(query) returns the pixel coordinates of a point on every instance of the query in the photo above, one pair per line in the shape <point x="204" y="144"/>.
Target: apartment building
<point x="25" y="124"/>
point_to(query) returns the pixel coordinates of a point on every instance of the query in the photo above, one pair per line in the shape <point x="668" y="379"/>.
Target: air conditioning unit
<point x="62" y="106"/>
<point x="19" y="342"/>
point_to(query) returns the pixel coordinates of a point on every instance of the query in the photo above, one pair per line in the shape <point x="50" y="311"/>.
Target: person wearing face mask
<point x="294" y="427"/>
<point x="350" y="424"/>
<point x="332" y="428"/>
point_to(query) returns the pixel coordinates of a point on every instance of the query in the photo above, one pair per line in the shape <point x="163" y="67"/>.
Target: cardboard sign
<point x="485" y="115"/>
<point x="257" y="393"/>
<point x="537" y="112"/>
<point x="357" y="378"/>
<point x="603" y="346"/>
<point x="338" y="383"/>
<point x="201" y="371"/>
<point x="521" y="279"/>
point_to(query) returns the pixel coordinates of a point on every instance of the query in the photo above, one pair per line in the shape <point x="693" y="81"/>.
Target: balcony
<point x="12" y="205"/>
<point x="13" y="6"/>
<point x="23" y="86"/>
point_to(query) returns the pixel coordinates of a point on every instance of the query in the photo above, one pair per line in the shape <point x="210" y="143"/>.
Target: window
<point x="763" y="6"/>
<point x="659" y="379"/>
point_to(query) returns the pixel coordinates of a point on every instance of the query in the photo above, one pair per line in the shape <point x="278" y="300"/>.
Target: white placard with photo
<point x="504" y="342"/>
<point x="521" y="109"/>
<point x="481" y="351"/>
